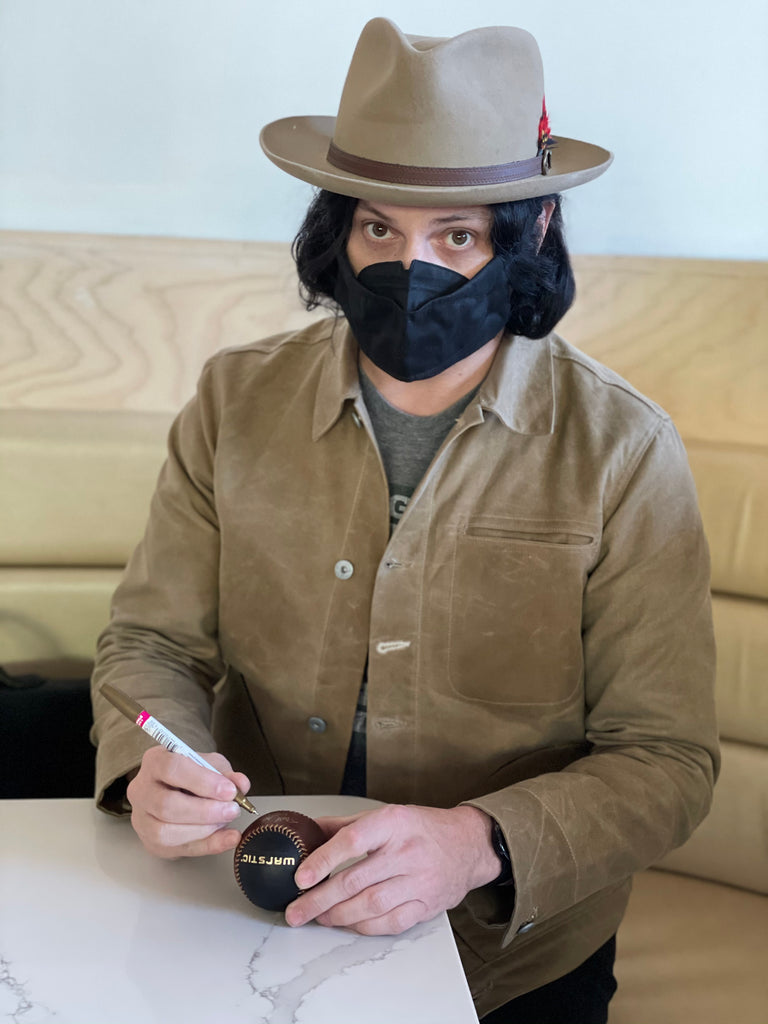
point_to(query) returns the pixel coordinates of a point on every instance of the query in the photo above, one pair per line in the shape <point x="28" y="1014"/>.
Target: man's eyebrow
<point x="367" y="207"/>
<point x="455" y="215"/>
<point x="450" y="217"/>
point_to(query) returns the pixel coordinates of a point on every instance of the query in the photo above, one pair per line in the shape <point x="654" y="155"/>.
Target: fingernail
<point x="226" y="790"/>
<point x="304" y="879"/>
<point x="231" y="811"/>
<point x="293" y="917"/>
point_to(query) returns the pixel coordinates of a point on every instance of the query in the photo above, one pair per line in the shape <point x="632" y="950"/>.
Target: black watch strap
<point x="501" y="851"/>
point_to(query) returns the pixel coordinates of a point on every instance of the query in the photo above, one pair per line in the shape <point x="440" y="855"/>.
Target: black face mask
<point x="415" y="323"/>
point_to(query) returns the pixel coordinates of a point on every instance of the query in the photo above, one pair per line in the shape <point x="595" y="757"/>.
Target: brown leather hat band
<point x="404" y="174"/>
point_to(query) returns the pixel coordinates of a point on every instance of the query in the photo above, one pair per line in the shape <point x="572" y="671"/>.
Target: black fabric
<point x="415" y="323"/>
<point x="579" y="997"/>
<point x="44" y="746"/>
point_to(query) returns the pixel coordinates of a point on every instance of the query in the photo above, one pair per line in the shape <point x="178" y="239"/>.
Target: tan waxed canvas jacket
<point x="537" y="629"/>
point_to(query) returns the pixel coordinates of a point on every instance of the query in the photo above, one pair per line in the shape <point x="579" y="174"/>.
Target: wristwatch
<point x="501" y="851"/>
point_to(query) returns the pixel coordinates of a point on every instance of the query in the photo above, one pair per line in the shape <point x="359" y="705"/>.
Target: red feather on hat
<point x="545" y="136"/>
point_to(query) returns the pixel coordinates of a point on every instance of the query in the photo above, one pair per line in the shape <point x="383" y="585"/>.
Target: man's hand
<point x="420" y="861"/>
<point x="181" y="809"/>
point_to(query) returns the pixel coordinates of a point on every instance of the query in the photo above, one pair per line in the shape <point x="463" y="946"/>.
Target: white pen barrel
<point x="171" y="742"/>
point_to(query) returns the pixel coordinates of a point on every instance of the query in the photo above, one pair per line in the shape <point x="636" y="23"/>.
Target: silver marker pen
<point x="129" y="707"/>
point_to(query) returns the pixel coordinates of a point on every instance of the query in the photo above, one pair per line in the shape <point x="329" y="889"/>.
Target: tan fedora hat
<point x="436" y="122"/>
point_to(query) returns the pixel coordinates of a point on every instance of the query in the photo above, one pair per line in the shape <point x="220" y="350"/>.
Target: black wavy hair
<point x="540" y="275"/>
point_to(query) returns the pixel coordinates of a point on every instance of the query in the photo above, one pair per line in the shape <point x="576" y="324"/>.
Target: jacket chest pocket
<point x="515" y="609"/>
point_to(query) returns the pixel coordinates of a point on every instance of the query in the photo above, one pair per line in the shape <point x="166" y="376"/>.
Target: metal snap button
<point x="343" y="569"/>
<point x="317" y="724"/>
<point x="530" y="923"/>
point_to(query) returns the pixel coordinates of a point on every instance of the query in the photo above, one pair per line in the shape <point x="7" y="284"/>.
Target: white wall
<point x="142" y="116"/>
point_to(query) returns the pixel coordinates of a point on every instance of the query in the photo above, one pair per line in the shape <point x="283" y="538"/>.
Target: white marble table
<point x="95" y="931"/>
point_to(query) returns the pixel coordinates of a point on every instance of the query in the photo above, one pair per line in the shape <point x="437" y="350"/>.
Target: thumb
<point x="331" y="825"/>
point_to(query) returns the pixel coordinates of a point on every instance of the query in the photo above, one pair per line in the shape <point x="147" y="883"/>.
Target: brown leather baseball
<point x="268" y="854"/>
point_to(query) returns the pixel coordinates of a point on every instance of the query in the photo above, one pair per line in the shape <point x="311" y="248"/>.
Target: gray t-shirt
<point x="407" y="444"/>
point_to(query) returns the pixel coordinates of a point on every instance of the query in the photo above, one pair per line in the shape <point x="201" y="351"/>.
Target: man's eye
<point x="458" y="239"/>
<point x="377" y="230"/>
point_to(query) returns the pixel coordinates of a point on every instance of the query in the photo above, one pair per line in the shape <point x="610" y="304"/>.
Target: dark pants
<point x="580" y="997"/>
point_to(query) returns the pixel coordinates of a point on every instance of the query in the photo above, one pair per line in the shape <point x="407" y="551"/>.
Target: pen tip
<point x="246" y="804"/>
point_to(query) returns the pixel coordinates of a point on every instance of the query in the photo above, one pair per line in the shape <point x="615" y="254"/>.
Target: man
<point x="436" y="555"/>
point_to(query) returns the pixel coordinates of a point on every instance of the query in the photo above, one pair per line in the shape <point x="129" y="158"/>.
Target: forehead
<point x="425" y="215"/>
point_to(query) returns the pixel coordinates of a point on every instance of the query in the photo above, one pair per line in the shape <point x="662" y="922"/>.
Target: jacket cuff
<point x="520" y="816"/>
<point x="116" y="756"/>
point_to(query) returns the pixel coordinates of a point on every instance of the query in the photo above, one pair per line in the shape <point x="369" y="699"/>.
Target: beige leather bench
<point x="102" y="340"/>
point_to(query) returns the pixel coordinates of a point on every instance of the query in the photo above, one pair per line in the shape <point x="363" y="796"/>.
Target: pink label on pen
<point x="142" y="719"/>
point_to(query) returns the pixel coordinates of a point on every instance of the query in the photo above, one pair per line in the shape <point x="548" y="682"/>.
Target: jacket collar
<point x="519" y="388"/>
<point x="338" y="379"/>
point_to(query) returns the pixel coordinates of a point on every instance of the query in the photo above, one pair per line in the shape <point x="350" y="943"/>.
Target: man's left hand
<point x="417" y="862"/>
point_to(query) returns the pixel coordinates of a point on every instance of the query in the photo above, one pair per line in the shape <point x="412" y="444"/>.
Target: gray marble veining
<point x="287" y="999"/>
<point x="95" y="931"/>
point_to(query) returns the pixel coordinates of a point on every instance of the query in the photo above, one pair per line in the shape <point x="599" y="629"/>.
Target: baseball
<point x="268" y="854"/>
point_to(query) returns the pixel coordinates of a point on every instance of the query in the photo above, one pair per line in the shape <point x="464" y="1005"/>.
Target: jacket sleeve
<point x="649" y="704"/>
<point x="161" y="643"/>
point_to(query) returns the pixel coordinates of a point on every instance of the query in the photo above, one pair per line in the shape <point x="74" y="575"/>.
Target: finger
<point x="242" y="782"/>
<point x="341" y="889"/>
<point x="182" y="773"/>
<point x="397" y="921"/>
<point x="331" y="825"/>
<point x="175" y="806"/>
<point x="179" y="772"/>
<point x="374" y="901"/>
<point x="361" y="835"/>
<point x="221" y="764"/>
<point x="174" y="841"/>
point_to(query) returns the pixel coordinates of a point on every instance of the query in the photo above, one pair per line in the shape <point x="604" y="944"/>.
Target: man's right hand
<point x="182" y="810"/>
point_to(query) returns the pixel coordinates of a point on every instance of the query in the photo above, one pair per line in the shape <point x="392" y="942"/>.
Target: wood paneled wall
<point x="110" y="322"/>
